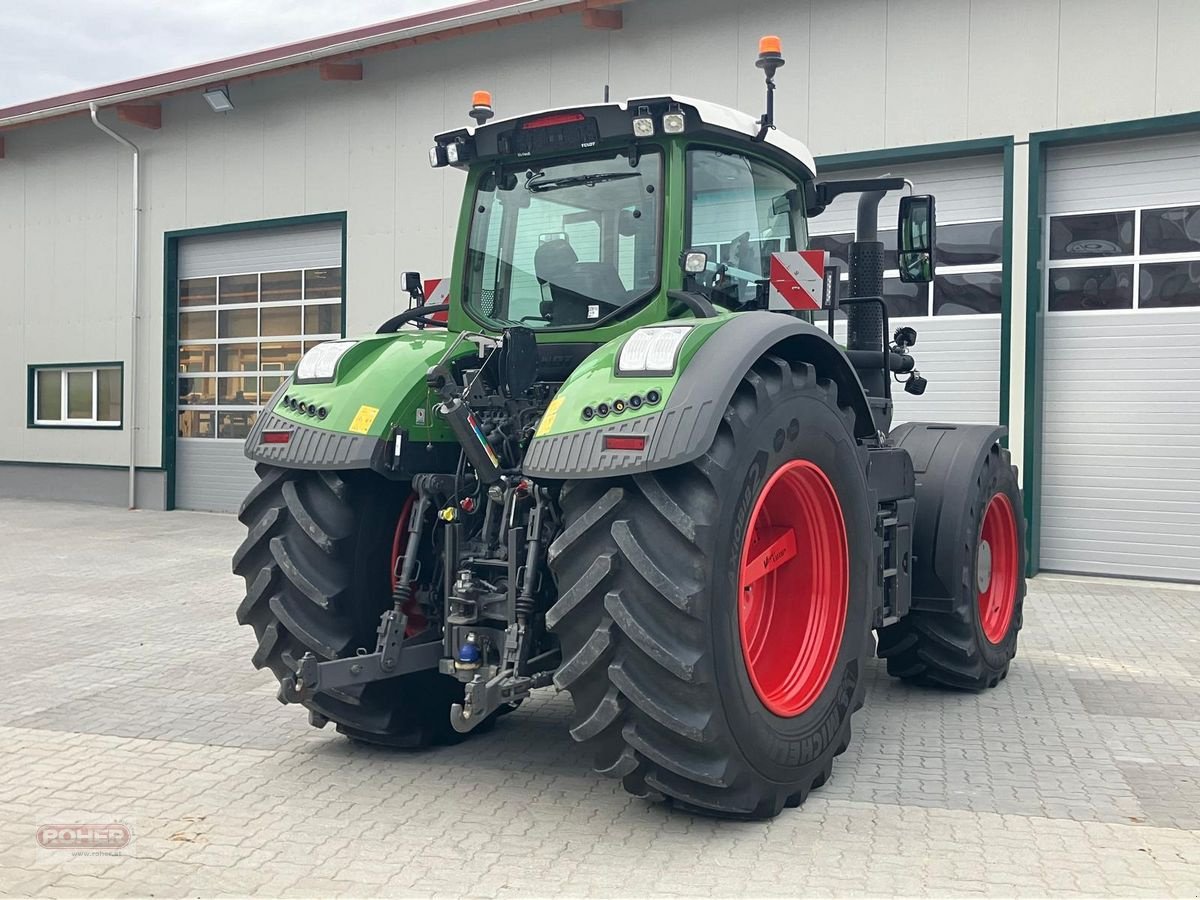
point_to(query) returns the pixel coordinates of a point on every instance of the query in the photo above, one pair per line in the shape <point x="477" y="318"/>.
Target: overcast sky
<point x="54" y="46"/>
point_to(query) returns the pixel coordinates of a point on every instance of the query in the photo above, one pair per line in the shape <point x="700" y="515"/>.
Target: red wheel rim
<point x="795" y="573"/>
<point x="996" y="568"/>
<point x="416" y="618"/>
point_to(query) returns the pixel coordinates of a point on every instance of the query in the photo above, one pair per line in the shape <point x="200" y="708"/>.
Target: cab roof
<point x="615" y="121"/>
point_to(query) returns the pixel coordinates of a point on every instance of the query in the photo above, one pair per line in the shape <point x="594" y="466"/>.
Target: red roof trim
<point x="281" y="53"/>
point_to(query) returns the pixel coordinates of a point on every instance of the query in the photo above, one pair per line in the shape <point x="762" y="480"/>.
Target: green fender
<point x="682" y="425"/>
<point x="377" y="392"/>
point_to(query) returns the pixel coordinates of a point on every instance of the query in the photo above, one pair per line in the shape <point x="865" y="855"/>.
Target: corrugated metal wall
<point x="1121" y="466"/>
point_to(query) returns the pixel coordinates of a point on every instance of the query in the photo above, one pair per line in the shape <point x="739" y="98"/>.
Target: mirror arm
<point x="825" y="192"/>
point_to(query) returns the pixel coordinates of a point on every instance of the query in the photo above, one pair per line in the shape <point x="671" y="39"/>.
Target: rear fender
<point x="695" y="400"/>
<point x="377" y="392"/>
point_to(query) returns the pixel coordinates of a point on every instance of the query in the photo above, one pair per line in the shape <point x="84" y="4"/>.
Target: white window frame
<point x="303" y="304"/>
<point x="973" y="269"/>
<point x="64" y="421"/>
<point x="1136" y="259"/>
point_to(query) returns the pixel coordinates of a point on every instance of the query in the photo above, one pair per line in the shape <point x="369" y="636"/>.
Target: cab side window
<point x="740" y="211"/>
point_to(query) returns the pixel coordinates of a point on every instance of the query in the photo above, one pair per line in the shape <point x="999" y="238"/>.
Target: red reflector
<point x="624" y="442"/>
<point x="556" y="119"/>
<point x="276" y="437"/>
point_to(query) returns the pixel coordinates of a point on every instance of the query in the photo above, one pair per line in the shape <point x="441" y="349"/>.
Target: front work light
<point x="643" y="123"/>
<point x="674" y="121"/>
<point x="653" y="350"/>
<point x="453" y="151"/>
<point x="320" y="363"/>
<point x="694" y="261"/>
<point x="437" y="156"/>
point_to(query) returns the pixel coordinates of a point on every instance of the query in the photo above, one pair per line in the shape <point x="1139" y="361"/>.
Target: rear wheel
<point x="968" y="640"/>
<point x="714" y="618"/>
<point x="317" y="563"/>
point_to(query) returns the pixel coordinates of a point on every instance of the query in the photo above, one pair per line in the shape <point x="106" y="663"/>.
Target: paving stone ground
<point x="128" y="696"/>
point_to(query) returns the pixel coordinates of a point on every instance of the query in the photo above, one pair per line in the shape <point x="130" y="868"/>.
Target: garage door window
<point x="83" y="396"/>
<point x="969" y="278"/>
<point x="1124" y="260"/>
<point x="240" y="335"/>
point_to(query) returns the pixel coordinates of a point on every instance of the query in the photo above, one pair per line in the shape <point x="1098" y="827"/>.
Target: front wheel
<point x="968" y="639"/>
<point x="714" y="618"/>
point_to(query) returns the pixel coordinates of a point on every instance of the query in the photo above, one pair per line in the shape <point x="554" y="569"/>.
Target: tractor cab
<point x="578" y="218"/>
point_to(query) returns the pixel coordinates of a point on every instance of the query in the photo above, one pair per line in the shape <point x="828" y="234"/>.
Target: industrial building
<point x="279" y="194"/>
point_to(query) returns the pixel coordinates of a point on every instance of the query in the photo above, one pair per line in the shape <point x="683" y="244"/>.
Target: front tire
<point x="677" y="689"/>
<point x="968" y="640"/>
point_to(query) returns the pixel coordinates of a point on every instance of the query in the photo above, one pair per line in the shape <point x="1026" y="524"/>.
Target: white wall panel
<point x="847" y="61"/>
<point x="1107" y="60"/>
<point x="1176" y="87"/>
<point x="928" y="43"/>
<point x="1004" y="98"/>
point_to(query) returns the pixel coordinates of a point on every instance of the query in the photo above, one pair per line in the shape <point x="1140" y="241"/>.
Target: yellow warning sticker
<point x="364" y="419"/>
<point x="548" y="419"/>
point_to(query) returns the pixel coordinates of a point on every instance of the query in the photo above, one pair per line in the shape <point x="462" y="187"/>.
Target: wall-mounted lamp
<point x="218" y="99"/>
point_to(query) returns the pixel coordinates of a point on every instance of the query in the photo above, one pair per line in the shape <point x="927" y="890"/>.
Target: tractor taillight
<point x="276" y="437"/>
<point x="552" y="120"/>
<point x="624" y="442"/>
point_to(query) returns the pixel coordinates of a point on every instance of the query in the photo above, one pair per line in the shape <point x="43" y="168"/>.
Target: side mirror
<point x="412" y="285"/>
<point x="916" y="230"/>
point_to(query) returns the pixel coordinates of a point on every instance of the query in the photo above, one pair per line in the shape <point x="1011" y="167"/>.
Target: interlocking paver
<point x="130" y="697"/>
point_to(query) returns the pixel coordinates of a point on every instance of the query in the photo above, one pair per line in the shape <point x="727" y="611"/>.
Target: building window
<point x="240" y="335"/>
<point x="87" y="395"/>
<point x="1125" y="259"/>
<point x="970" y="262"/>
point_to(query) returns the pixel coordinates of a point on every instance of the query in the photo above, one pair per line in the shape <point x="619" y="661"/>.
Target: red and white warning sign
<point x="797" y="279"/>
<point x="437" y="290"/>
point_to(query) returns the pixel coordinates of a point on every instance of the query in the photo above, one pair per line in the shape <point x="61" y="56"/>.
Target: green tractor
<point x="632" y="462"/>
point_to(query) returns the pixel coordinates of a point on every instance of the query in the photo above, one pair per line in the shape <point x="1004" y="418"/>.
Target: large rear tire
<point x="317" y="564"/>
<point x="968" y="641"/>
<point x="682" y="686"/>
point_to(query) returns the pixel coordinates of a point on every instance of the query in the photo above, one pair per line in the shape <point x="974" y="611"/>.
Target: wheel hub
<point x="983" y="567"/>
<point x="997" y="567"/>
<point x="793" y="588"/>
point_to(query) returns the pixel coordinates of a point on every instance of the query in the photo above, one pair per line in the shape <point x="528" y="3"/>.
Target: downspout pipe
<point x="135" y="303"/>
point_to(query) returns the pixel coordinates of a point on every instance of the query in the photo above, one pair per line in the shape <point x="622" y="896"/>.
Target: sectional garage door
<point x="957" y="318"/>
<point x="249" y="304"/>
<point x="1121" y="434"/>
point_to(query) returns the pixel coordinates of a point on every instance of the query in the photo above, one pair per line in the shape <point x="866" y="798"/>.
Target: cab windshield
<point x="564" y="244"/>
